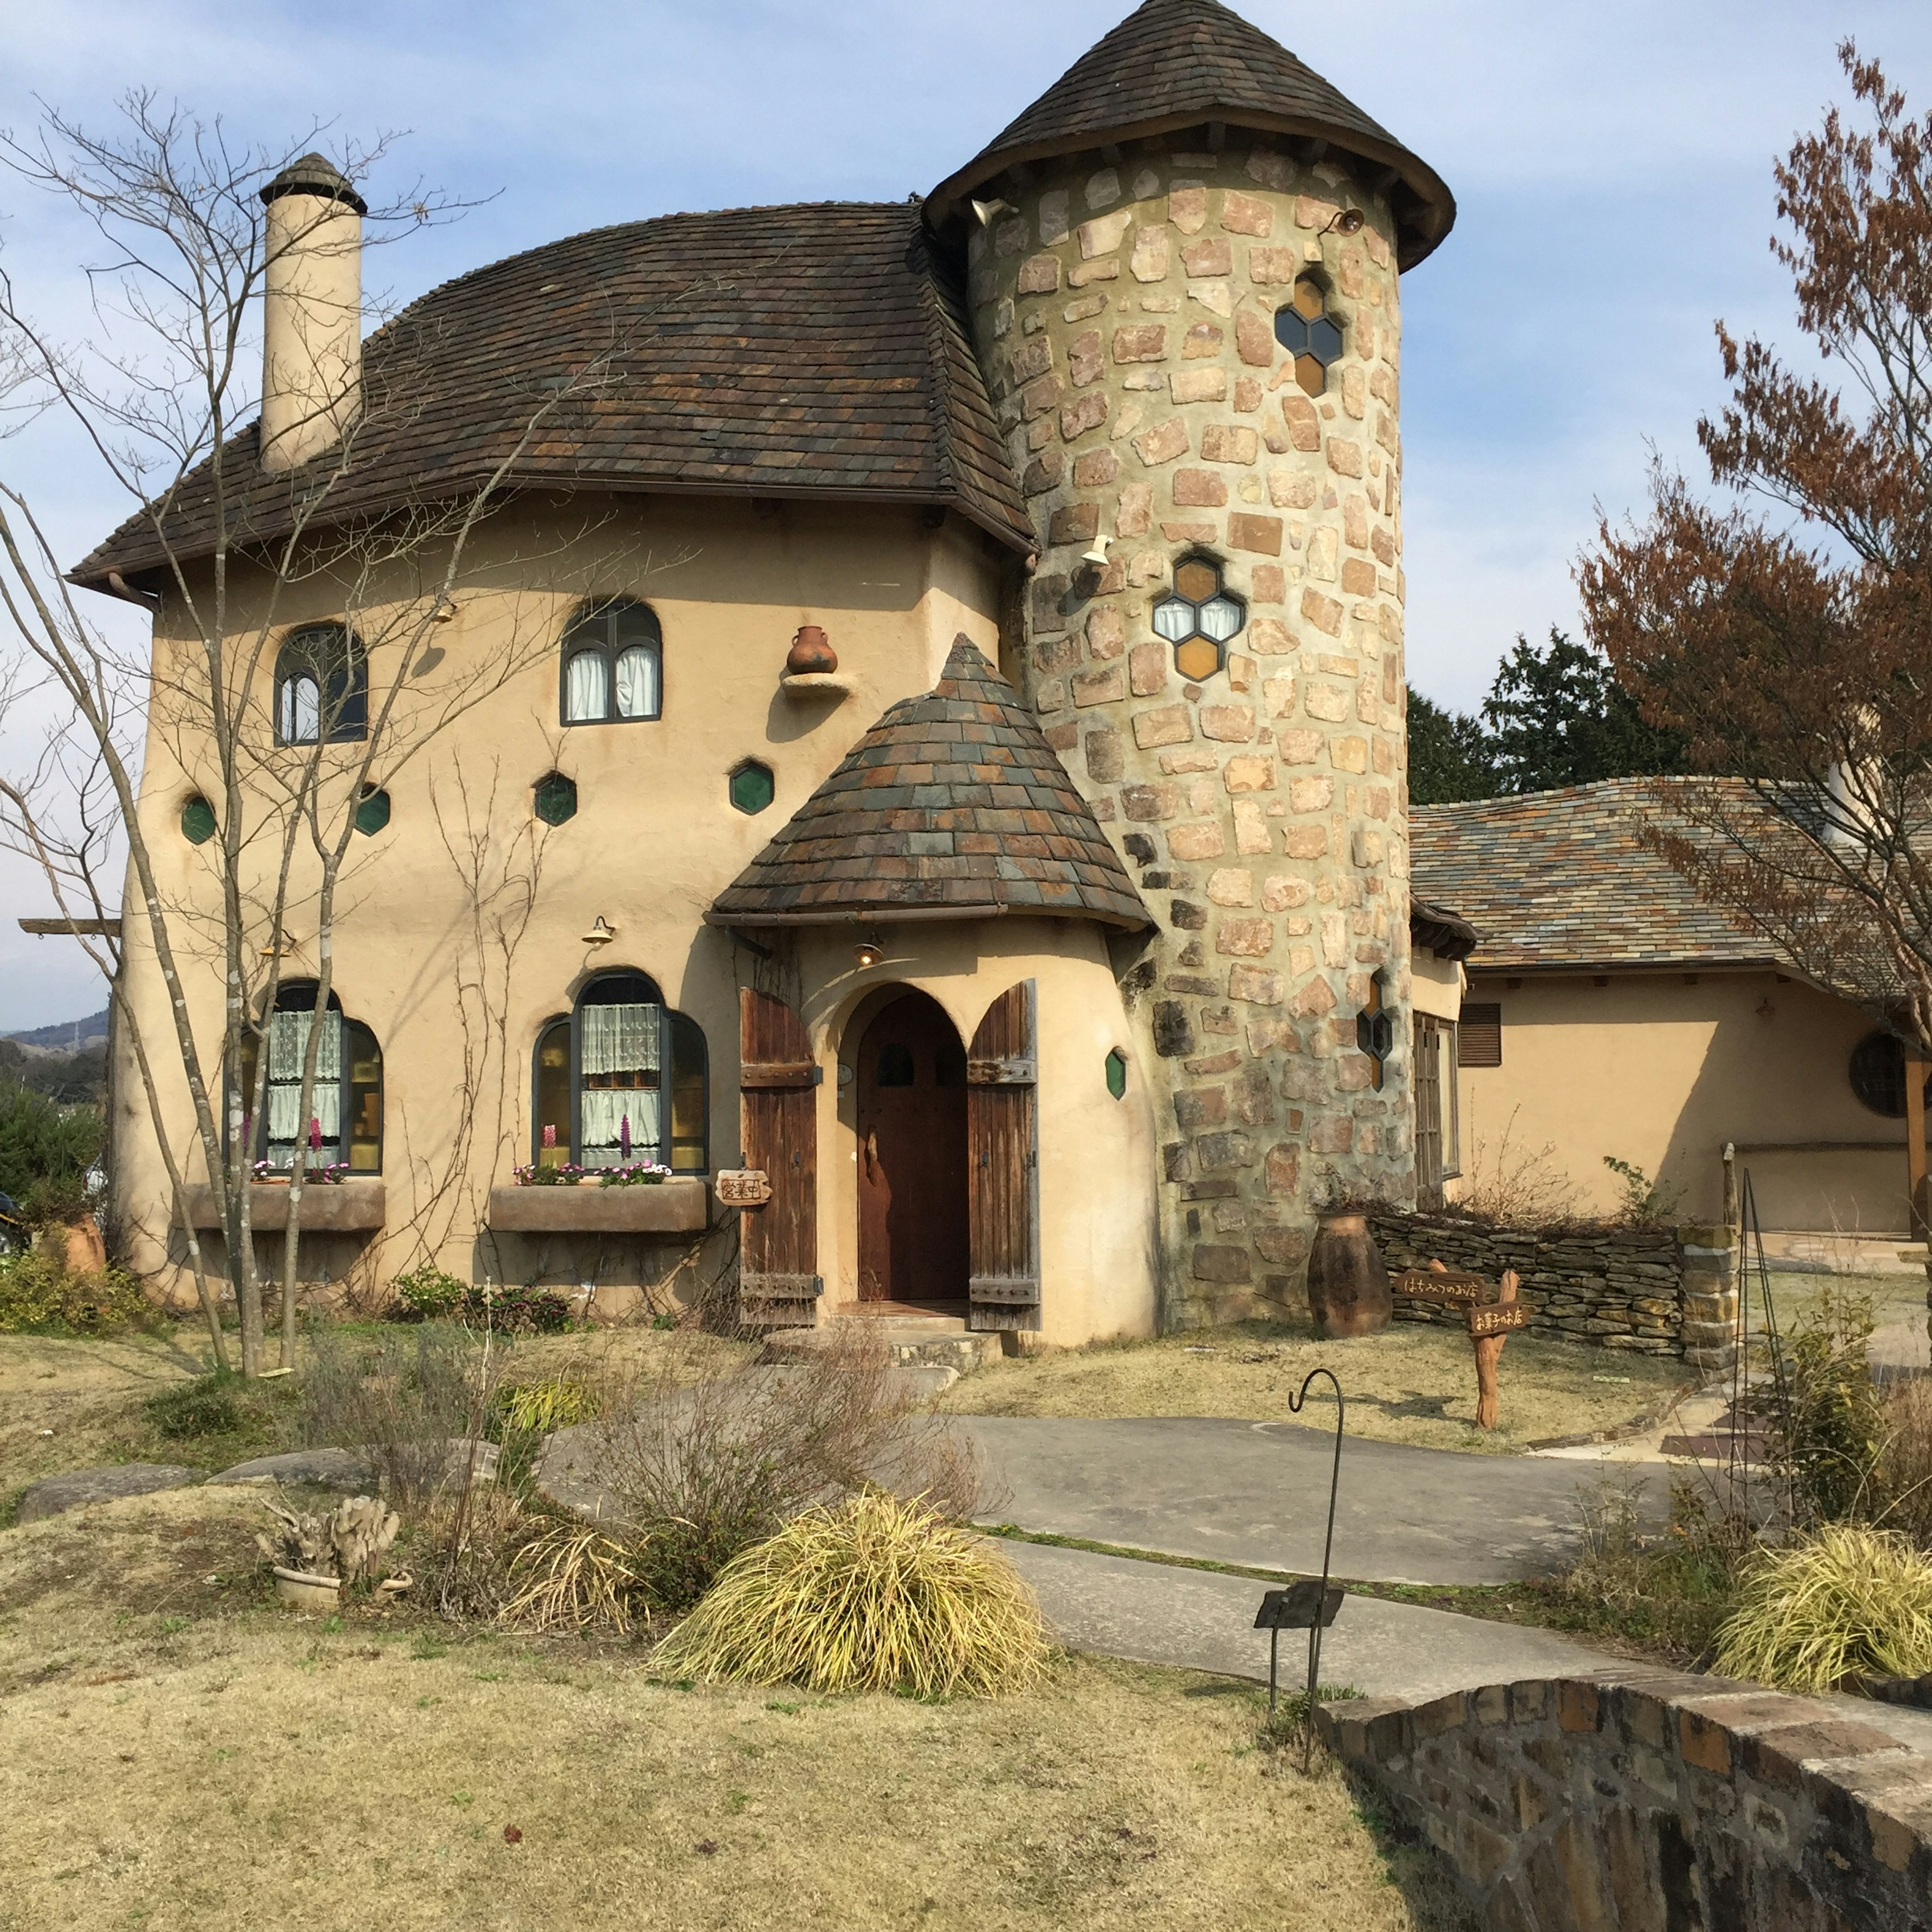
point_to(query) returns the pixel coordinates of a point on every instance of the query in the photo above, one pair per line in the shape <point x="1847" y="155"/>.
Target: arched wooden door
<point x="912" y="1233"/>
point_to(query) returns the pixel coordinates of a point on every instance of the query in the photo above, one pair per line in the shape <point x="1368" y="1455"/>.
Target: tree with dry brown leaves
<point x="1787" y="628"/>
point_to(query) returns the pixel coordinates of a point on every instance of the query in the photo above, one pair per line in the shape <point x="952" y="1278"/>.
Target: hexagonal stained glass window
<point x="1198" y="618"/>
<point x="752" y="786"/>
<point x="1117" y="1074"/>
<point x="372" y="813"/>
<point x="1309" y="334"/>
<point x="197" y="821"/>
<point x="556" y="799"/>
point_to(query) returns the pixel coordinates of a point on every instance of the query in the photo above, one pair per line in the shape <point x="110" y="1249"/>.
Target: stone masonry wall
<point x="1656" y="1291"/>
<point x="1643" y="1801"/>
<point x="1125" y="315"/>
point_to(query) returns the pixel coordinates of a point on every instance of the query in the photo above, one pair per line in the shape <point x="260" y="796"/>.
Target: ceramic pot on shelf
<point x="1347" y="1283"/>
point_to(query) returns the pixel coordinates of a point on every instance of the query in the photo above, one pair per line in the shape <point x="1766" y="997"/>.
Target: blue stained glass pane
<point x="1174" y="620"/>
<point x="1291" y="331"/>
<point x="1324" y="341"/>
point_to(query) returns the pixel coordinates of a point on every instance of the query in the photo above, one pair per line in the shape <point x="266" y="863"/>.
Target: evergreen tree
<point x="1449" y="758"/>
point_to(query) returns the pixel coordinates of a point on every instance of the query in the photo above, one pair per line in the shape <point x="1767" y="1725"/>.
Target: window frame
<point x="576" y="641"/>
<point x="347" y="1087"/>
<point x="294" y="665"/>
<point x="1436" y="1068"/>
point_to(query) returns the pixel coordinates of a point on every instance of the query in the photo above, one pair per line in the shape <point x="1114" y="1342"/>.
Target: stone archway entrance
<point x="912" y="1229"/>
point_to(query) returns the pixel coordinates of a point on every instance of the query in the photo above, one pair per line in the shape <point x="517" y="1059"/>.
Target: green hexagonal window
<point x="372" y="814"/>
<point x="197" y="821"/>
<point x="556" y="799"/>
<point x="752" y="786"/>
<point x="1117" y="1074"/>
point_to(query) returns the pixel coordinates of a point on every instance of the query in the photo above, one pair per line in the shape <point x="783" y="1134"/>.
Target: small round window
<point x="1878" y="1075"/>
<point x="556" y="799"/>
<point x="197" y="821"/>
<point x="1198" y="618"/>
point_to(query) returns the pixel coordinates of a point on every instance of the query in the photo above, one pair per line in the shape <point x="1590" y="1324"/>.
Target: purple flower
<point x="624" y="1137"/>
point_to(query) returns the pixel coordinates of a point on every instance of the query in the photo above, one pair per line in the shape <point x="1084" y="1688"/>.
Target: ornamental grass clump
<point x="1848" y="1602"/>
<point x="874" y="1594"/>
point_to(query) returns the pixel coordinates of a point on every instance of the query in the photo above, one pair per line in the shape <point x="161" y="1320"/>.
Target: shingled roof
<point x="1173" y="64"/>
<point x="1556" y="879"/>
<point x="952" y="804"/>
<point x="815" y="351"/>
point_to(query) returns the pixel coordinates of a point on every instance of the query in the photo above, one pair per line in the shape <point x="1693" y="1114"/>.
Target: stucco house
<point x="963" y="775"/>
<point x="1610" y="1012"/>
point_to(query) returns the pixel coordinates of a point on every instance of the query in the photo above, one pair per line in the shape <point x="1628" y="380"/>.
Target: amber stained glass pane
<point x="1198" y="659"/>
<point x="1197" y="581"/>
<point x="1310" y="374"/>
<point x="1309" y="297"/>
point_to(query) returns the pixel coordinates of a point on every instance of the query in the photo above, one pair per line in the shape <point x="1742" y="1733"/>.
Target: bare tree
<point x="1789" y="632"/>
<point x="160" y="396"/>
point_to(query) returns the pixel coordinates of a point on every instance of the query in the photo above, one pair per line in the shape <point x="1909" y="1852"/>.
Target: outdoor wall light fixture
<point x="989" y="211"/>
<point x="869" y="951"/>
<point x="600" y="934"/>
<point x="1349" y="222"/>
<point x="1097" y="555"/>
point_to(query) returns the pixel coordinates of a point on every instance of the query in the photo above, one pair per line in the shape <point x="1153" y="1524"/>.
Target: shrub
<point x="46" y="1152"/>
<point x="540" y="1408"/>
<point x="1825" y="1422"/>
<point x="39" y="1296"/>
<point x="873" y="1595"/>
<point x="1647" y="1203"/>
<point x="1902" y="1478"/>
<point x="569" y="1577"/>
<point x="705" y="1465"/>
<point x="427" y="1294"/>
<point x="205" y="1407"/>
<point x="1851" y="1601"/>
<point x="520" y="1311"/>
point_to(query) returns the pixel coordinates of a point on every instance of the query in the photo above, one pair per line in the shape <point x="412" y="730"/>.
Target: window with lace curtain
<point x="623" y="1068"/>
<point x="322" y="687"/>
<point x="343" y="1125"/>
<point x="613" y="665"/>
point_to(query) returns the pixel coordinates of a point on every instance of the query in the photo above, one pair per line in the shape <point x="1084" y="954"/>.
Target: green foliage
<point x="207" y="1406"/>
<point x="1646" y="1202"/>
<point x="1827" y="1422"/>
<point x="1851" y="1601"/>
<point x="39" y="1296"/>
<point x="874" y="1594"/>
<point x="1448" y="757"/>
<point x="539" y="1408"/>
<point x="1557" y="716"/>
<point x="427" y="1294"/>
<point x="45" y="1152"/>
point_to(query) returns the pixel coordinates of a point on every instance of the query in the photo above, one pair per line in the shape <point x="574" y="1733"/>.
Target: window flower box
<point x="673" y="1205"/>
<point x="350" y="1206"/>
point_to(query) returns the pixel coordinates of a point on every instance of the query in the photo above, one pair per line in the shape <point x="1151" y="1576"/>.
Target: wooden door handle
<point x="871" y="1156"/>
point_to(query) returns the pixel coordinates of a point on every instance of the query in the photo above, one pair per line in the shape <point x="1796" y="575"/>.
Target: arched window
<point x="613" y="665"/>
<point x="622" y="1065"/>
<point x="322" y="687"/>
<point x="345" y="1114"/>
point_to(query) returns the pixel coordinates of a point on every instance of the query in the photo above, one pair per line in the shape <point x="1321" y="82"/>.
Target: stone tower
<point x="1183" y="266"/>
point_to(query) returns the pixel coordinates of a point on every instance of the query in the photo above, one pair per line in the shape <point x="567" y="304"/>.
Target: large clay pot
<point x="1348" y="1285"/>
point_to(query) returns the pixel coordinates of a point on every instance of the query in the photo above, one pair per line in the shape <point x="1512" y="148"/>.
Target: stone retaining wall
<point x="1656" y="1291"/>
<point x="1646" y="1802"/>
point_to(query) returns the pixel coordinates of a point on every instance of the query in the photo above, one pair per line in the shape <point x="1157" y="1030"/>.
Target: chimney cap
<point x="316" y="175"/>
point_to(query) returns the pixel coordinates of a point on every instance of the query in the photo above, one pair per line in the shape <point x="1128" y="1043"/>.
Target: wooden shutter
<point x="1002" y="1164"/>
<point x="779" y="1281"/>
<point x="1479" y="1037"/>
<point x="1426" y="1090"/>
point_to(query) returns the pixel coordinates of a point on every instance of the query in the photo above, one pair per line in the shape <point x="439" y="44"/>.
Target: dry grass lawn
<point x="1414" y="1383"/>
<point x="176" y="1753"/>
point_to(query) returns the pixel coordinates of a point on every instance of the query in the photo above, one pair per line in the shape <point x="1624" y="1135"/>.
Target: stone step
<point x="910" y="1341"/>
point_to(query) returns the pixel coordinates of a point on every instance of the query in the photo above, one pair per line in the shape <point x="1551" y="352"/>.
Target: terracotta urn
<point x="1348" y="1284"/>
<point x="811" y="654"/>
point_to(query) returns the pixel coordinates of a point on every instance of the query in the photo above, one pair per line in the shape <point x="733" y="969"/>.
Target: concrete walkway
<point x="1257" y="1493"/>
<point x="1197" y="1620"/>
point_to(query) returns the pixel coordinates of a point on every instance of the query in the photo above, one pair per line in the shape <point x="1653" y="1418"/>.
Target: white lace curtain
<point x="288" y="1047"/>
<point x="618" y="1040"/>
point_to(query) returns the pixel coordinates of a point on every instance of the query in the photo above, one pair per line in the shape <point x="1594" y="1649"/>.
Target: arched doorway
<point x="912" y="1240"/>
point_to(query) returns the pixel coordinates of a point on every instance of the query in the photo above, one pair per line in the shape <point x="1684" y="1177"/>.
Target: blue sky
<point x="1613" y="165"/>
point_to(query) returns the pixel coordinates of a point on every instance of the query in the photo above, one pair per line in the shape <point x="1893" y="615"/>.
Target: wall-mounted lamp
<point x="1097" y="555"/>
<point x="599" y="935"/>
<point x="989" y="211"/>
<point x="445" y="612"/>
<point x="289" y="944"/>
<point x="1349" y="222"/>
<point x="869" y="951"/>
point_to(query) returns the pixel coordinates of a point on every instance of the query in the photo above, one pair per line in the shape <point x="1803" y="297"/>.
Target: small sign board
<point x="1295" y="1608"/>
<point x="1499" y="1318"/>
<point x="742" y="1187"/>
<point x="1453" y="1290"/>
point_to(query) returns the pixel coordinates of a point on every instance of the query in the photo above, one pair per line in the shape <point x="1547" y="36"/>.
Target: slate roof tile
<point x="818" y="350"/>
<point x="853" y="847"/>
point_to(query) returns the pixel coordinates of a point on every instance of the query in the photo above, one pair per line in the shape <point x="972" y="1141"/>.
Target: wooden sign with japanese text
<point x="1498" y="1318"/>
<point x="742" y="1187"/>
<point x="1452" y="1290"/>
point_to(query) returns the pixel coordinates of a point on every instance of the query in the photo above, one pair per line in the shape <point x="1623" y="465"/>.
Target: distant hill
<point x="65" y="1038"/>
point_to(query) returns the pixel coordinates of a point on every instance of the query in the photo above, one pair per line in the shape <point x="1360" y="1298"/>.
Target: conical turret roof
<point x="952" y="804"/>
<point x="1173" y="64"/>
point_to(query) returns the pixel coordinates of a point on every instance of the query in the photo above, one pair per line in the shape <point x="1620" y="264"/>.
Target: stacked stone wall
<point x="1655" y="1290"/>
<point x="1640" y="1800"/>
<point x="1124" y="311"/>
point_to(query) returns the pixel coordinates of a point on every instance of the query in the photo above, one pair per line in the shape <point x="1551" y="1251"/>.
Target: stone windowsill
<point x="347" y="1207"/>
<point x="677" y="1206"/>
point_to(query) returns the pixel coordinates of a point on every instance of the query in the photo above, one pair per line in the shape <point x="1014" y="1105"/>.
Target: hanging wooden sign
<point x="1451" y="1289"/>
<point x="1497" y="1318"/>
<point x="742" y="1187"/>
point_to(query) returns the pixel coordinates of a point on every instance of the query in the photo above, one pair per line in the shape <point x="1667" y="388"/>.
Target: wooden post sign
<point x="1440" y="1285"/>
<point x="1491" y="1323"/>
<point x="742" y="1187"/>
<point x="1499" y="1317"/>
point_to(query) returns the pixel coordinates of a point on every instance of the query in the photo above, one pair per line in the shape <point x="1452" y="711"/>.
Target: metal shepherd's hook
<point x="1294" y="1405"/>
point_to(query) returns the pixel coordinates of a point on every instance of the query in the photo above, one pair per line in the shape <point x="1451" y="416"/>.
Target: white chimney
<point x="311" y="312"/>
